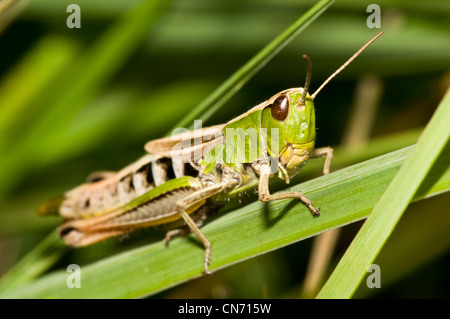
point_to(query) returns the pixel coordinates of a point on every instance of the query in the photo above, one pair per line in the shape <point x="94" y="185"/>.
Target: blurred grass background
<point x="62" y="116"/>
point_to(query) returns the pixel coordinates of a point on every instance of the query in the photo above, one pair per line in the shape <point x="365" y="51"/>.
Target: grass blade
<point x="42" y="257"/>
<point x="345" y="196"/>
<point x="344" y="158"/>
<point x="383" y="219"/>
<point x="404" y="244"/>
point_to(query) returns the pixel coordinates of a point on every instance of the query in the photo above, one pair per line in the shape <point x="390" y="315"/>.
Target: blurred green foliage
<point x="73" y="101"/>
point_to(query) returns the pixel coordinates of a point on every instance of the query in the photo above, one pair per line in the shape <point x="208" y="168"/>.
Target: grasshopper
<point x="187" y="175"/>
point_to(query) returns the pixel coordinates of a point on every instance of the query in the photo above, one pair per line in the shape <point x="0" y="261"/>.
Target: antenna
<point x="308" y="79"/>
<point x="345" y="64"/>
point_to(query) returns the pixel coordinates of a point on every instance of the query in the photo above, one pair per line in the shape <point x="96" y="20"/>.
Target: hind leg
<point x="192" y="203"/>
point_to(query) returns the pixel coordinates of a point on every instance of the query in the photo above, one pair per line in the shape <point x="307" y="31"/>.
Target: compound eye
<point x="280" y="107"/>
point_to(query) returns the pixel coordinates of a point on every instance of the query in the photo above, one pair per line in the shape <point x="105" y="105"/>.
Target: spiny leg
<point x="184" y="231"/>
<point x="265" y="196"/>
<point x="326" y="152"/>
<point x="191" y="203"/>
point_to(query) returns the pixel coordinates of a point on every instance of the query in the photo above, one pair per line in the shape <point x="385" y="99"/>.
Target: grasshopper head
<point x="289" y="128"/>
<point x="289" y="120"/>
<point x="291" y="125"/>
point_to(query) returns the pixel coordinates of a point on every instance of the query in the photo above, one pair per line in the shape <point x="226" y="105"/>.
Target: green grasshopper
<point x="187" y="175"/>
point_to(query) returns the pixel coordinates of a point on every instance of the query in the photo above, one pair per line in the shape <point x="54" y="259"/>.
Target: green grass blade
<point x="405" y="244"/>
<point x="219" y="96"/>
<point x="343" y="156"/>
<point x="14" y="223"/>
<point x="383" y="219"/>
<point x="345" y="196"/>
<point x="39" y="260"/>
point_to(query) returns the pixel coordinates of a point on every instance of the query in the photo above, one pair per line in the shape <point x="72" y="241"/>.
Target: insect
<point x="187" y="175"/>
